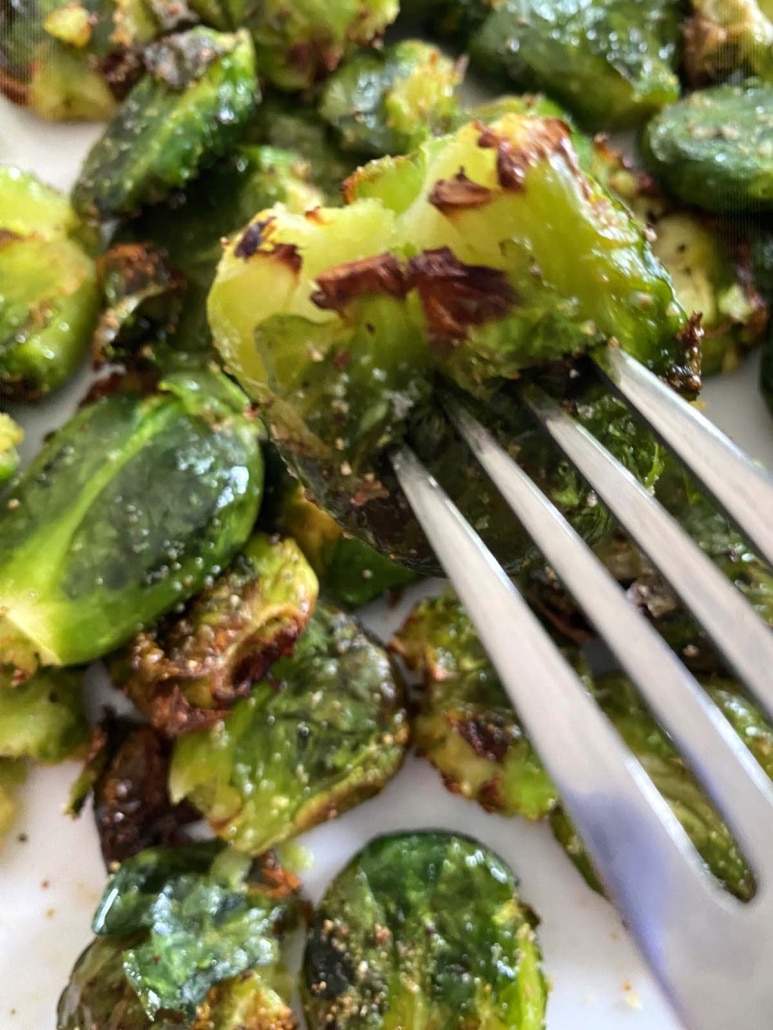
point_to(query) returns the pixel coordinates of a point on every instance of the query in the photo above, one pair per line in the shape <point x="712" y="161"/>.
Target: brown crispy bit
<point x="455" y="296"/>
<point x="545" y="136"/>
<point x="448" y="195"/>
<point x="488" y="739"/>
<point x="339" y="286"/>
<point x="251" y="239"/>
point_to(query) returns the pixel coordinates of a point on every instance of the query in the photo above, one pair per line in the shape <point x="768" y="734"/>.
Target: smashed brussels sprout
<point x="188" y="670"/>
<point x="714" y="148"/>
<point x="611" y="62"/>
<point x="726" y="36"/>
<point x="326" y="730"/>
<point x="187" y="937"/>
<point x="48" y="287"/>
<point x="125" y="512"/>
<point x="389" y="101"/>
<point x="191" y="106"/>
<point x="423" y="930"/>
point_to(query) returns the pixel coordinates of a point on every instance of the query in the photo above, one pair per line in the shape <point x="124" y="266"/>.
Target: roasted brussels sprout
<point x="325" y="731"/>
<point x="42" y="718"/>
<point x="48" y="287"/>
<point x="189" y="227"/>
<point x="611" y="62"/>
<point x="726" y="36"/>
<point x="465" y="725"/>
<point x="667" y="770"/>
<point x="10" y="436"/>
<point x="127" y="771"/>
<point x="199" y="92"/>
<point x="125" y="513"/>
<point x="714" y="148"/>
<point x="299" y="42"/>
<point x="337" y="319"/>
<point x="423" y="929"/>
<point x="187" y="671"/>
<point x="187" y="937"/>
<point x="389" y="101"/>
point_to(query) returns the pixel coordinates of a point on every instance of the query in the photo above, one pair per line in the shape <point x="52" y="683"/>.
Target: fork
<point x="711" y="953"/>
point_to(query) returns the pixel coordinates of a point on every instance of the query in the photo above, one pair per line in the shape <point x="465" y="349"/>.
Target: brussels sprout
<point x="10" y="436"/>
<point x="141" y="300"/>
<point x="125" y="513"/>
<point x="127" y="770"/>
<point x="714" y="148"/>
<point x="42" y="718"/>
<point x="423" y="929"/>
<point x="510" y="103"/>
<point x="281" y="123"/>
<point x="465" y="725"/>
<point x="175" y="927"/>
<point x="198" y="94"/>
<point x="327" y="730"/>
<point x="726" y="36"/>
<point x="189" y="227"/>
<point x="667" y="770"/>
<point x="611" y="62"/>
<point x="350" y="572"/>
<point x="389" y="101"/>
<point x="336" y="319"/>
<point x="187" y="671"/>
<point x="48" y="287"/>
<point x="299" y="42"/>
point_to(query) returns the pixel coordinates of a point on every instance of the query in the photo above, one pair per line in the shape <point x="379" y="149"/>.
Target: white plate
<point x="51" y="874"/>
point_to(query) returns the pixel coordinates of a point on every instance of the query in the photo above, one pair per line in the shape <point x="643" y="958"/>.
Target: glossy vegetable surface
<point x="423" y="930"/>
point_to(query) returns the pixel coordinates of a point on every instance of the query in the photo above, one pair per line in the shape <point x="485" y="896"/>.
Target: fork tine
<point x="744" y="639"/>
<point x="732" y="777"/>
<point x="742" y="488"/>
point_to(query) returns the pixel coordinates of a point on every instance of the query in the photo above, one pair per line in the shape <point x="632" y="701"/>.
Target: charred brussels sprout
<point x="672" y="778"/>
<point x="188" y="228"/>
<point x="726" y="36"/>
<point x="198" y="93"/>
<point x="423" y="929"/>
<point x="327" y="730"/>
<point x="188" y="670"/>
<point x="465" y="725"/>
<point x="48" y="287"/>
<point x="185" y="935"/>
<point x="611" y="62"/>
<point x="299" y="42"/>
<point x="43" y="718"/>
<point x="389" y="101"/>
<point x="126" y="511"/>
<point x="714" y="148"/>
<point x="10" y="436"/>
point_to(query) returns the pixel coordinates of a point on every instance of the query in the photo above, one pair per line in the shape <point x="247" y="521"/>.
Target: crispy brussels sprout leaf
<point x="128" y="771"/>
<point x="10" y="436"/>
<point x="726" y="36"/>
<point x="187" y="671"/>
<point x="188" y="229"/>
<point x="48" y="287"/>
<point x="389" y="101"/>
<point x="327" y="730"/>
<point x="423" y="930"/>
<point x="299" y="42"/>
<point x="181" y="922"/>
<point x="684" y="795"/>
<point x="126" y="511"/>
<point x="198" y="93"/>
<point x="611" y="62"/>
<point x="714" y="148"/>
<point x="465" y="725"/>
<point x="42" y="718"/>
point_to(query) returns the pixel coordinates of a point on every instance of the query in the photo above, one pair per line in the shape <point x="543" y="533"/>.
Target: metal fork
<point x="711" y="953"/>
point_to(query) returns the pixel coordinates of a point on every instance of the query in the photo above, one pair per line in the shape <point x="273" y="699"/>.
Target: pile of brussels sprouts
<point x="292" y="233"/>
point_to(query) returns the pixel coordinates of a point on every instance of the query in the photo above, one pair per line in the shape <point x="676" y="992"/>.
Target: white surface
<point x="51" y="873"/>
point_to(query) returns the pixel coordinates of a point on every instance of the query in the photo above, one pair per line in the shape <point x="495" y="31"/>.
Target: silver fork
<point x="712" y="954"/>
